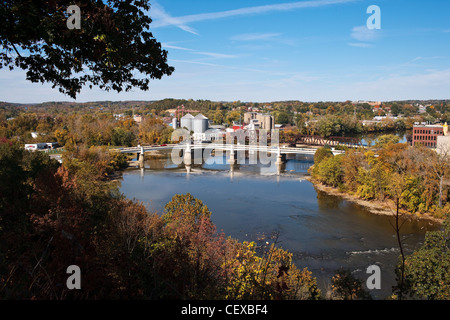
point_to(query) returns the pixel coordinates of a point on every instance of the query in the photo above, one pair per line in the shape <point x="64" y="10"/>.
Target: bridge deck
<point x="226" y="147"/>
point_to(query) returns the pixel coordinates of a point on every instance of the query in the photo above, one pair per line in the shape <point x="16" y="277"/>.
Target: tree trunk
<point x="402" y="267"/>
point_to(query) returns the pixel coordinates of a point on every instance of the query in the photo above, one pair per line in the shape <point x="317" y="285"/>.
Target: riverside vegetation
<point x="54" y="215"/>
<point x="389" y="170"/>
<point x="409" y="182"/>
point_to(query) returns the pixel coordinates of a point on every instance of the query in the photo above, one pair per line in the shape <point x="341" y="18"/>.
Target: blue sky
<point x="267" y="50"/>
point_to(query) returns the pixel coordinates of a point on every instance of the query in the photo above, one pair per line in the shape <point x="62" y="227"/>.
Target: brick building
<point x="426" y="135"/>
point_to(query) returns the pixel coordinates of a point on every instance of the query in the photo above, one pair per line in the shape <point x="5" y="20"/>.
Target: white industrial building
<point x="200" y="123"/>
<point x="41" y="146"/>
<point x="186" y="122"/>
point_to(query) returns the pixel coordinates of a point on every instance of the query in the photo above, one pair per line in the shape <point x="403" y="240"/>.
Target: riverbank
<point x="373" y="206"/>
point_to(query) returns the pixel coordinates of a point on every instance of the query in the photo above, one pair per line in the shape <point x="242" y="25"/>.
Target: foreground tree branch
<point x="113" y="49"/>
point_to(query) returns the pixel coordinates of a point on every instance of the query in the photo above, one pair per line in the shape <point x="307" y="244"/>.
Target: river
<point x="323" y="232"/>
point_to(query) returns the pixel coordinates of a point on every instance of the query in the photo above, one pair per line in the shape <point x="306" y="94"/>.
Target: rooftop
<point x="428" y="125"/>
<point x="187" y="116"/>
<point x="200" y="116"/>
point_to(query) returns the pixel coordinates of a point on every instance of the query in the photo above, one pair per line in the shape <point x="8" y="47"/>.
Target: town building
<point x="237" y="126"/>
<point x="443" y="145"/>
<point x="199" y="127"/>
<point x="138" y="118"/>
<point x="263" y="121"/>
<point x="41" y="146"/>
<point x="118" y="116"/>
<point x="427" y="134"/>
<point x="35" y="146"/>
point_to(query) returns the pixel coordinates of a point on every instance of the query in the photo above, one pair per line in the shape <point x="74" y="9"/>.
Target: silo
<point x="200" y="123"/>
<point x="186" y="122"/>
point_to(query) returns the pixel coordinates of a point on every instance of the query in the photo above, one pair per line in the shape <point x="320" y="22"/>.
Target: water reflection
<point x="323" y="232"/>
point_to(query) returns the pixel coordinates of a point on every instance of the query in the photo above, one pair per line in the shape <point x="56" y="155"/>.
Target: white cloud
<point x="362" y="33"/>
<point x="163" y="19"/>
<point x="216" y="55"/>
<point x="169" y="46"/>
<point x="158" y="13"/>
<point x="365" y="36"/>
<point x="255" y="36"/>
<point x="203" y="53"/>
<point x="430" y="84"/>
<point x="360" y="44"/>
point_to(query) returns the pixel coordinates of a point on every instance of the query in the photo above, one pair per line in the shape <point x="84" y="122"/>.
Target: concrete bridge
<point x="197" y="152"/>
<point x="225" y="147"/>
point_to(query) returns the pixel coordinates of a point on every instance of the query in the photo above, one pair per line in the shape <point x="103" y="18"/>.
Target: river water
<point x="324" y="232"/>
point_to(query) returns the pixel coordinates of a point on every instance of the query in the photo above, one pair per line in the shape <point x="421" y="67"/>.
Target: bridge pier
<point x="187" y="156"/>
<point x="141" y="158"/>
<point x="232" y="160"/>
<point x="281" y="161"/>
<point x="281" y="158"/>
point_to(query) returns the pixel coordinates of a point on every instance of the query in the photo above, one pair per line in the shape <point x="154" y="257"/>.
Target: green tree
<point x="344" y="286"/>
<point x="354" y="159"/>
<point x="330" y="171"/>
<point x="113" y="49"/>
<point x="321" y="154"/>
<point x="122" y="137"/>
<point x="233" y="116"/>
<point x="218" y="117"/>
<point x="427" y="270"/>
<point x="395" y="109"/>
<point x="186" y="209"/>
<point x="385" y="139"/>
<point x="283" y="118"/>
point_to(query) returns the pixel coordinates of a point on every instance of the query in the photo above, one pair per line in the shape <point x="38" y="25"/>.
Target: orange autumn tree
<point x="198" y="262"/>
<point x="54" y="216"/>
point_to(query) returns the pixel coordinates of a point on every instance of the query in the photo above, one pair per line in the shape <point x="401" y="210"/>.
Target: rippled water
<point x="323" y="232"/>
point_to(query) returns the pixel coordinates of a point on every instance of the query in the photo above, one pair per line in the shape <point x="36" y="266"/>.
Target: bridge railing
<point x="225" y="147"/>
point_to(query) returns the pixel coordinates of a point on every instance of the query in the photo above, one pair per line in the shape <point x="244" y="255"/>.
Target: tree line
<point x="369" y="174"/>
<point x="410" y="180"/>
<point x="54" y="215"/>
<point x="85" y="128"/>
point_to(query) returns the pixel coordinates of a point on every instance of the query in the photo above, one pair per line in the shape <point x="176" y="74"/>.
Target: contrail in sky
<point x="166" y="20"/>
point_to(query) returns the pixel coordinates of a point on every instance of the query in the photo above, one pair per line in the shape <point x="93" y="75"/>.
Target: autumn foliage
<point x="54" y="216"/>
<point x="414" y="175"/>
